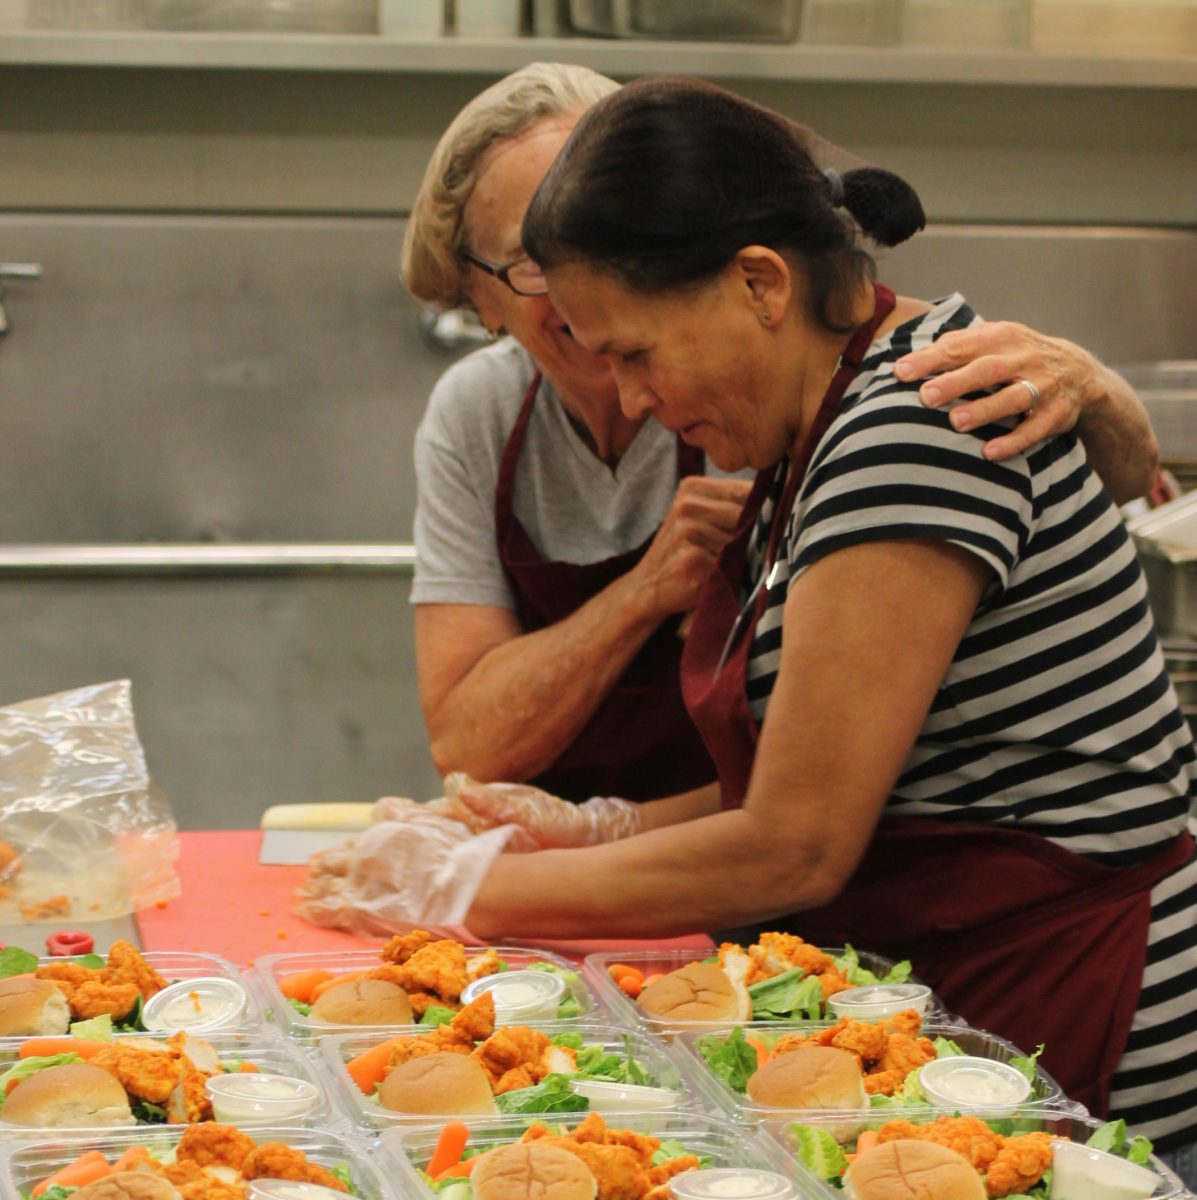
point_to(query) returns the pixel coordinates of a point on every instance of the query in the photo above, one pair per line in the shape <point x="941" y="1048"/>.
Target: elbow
<point x="805" y="876"/>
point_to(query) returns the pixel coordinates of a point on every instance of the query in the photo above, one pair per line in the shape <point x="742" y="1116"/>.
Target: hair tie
<point x="836" y="184"/>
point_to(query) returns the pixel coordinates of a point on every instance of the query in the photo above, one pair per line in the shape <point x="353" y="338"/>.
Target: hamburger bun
<point x="31" y="1007"/>
<point x="129" y="1185"/>
<point x="532" y="1171"/>
<point x="74" y="1094"/>
<point x="912" y="1169"/>
<point x="442" y="1084"/>
<point x="697" y="992"/>
<point x="810" y="1077"/>
<point x="364" y="1002"/>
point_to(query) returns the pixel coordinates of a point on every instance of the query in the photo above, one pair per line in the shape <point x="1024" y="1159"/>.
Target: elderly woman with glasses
<point x="561" y="540"/>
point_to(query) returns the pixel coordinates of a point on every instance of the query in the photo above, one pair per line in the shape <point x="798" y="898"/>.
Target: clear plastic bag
<point x="84" y="835"/>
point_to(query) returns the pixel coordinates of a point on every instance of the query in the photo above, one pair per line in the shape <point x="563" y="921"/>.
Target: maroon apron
<point x="1015" y="933"/>
<point x="640" y="742"/>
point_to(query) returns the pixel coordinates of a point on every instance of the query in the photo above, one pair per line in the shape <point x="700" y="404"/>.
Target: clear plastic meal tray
<point x="268" y="969"/>
<point x="175" y="966"/>
<point x="266" y="1051"/>
<point x="1077" y="1127"/>
<point x="24" y="1165"/>
<point x="624" y="1009"/>
<point x="1045" y="1091"/>
<point x="367" y="1113"/>
<point x="726" y="1145"/>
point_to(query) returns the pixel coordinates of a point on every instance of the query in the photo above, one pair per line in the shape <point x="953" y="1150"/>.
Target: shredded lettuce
<point x="569" y="1008"/>
<point x="671" y="1148"/>
<point x="15" y="961"/>
<point x="553" y="1094"/>
<point x="147" y="1113"/>
<point x="437" y="1014"/>
<point x="858" y="976"/>
<point x="25" y="1067"/>
<point x="596" y="1062"/>
<point x="946" y="1048"/>
<point x="57" y="1192"/>
<point x="818" y="1151"/>
<point x="97" y="1029"/>
<point x="342" y="1172"/>
<point x="1028" y="1064"/>
<point x="1113" y="1137"/>
<point x="454" y="1189"/>
<point x="572" y="1039"/>
<point x="732" y="1059"/>
<point x="299" y="1006"/>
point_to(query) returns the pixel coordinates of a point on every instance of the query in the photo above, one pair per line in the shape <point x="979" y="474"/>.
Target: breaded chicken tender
<point x="1019" y="1164"/>
<point x="774" y="953"/>
<point x="403" y="945"/>
<point x="127" y="965"/>
<point x="96" y="998"/>
<point x="486" y="963"/>
<point x="968" y="1136"/>
<point x="214" y="1145"/>
<point x="273" y="1160"/>
<point x="438" y="968"/>
<point x="146" y="1074"/>
<point x="507" y="1049"/>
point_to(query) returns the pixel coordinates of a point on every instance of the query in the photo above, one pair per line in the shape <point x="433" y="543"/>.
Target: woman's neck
<point x="601" y="424"/>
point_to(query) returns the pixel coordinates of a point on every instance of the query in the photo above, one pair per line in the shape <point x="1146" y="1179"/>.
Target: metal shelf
<point x="366" y="53"/>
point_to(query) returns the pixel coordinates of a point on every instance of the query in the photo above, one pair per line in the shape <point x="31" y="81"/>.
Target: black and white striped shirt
<point x="1056" y="714"/>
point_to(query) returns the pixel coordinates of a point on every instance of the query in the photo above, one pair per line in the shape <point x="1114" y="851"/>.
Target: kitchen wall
<point x="220" y="351"/>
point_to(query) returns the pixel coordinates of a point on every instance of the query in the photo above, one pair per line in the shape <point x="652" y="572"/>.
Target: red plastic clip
<point x="70" y="942"/>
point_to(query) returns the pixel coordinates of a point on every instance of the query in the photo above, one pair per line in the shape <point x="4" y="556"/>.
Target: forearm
<point x="1118" y="437"/>
<point x="526" y="699"/>
<point x="724" y="869"/>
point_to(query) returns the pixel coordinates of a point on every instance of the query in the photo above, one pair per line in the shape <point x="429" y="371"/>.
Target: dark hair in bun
<point x="665" y="181"/>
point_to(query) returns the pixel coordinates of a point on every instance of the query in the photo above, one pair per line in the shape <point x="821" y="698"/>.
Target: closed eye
<point x="633" y="356"/>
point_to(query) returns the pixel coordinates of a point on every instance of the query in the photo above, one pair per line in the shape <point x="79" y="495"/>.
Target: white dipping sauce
<point x="520" y="995"/>
<point x="731" y="1183"/>
<point x="195" y="1004"/>
<point x="254" y="1096"/>
<point x="1082" y="1173"/>
<point x="607" y="1097"/>
<point x="973" y="1083"/>
<point x="291" y="1189"/>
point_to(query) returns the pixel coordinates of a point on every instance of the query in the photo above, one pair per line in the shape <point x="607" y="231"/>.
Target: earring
<point x="765" y="317"/>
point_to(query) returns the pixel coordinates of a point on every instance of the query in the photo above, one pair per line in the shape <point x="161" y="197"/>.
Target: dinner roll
<point x="364" y="1002"/>
<point x="30" y="1007"/>
<point x="444" y="1083"/>
<point x="532" y="1171"/>
<point x="810" y="1077"/>
<point x="698" y="992"/>
<point x="129" y="1185"/>
<point x="73" y="1094"/>
<point x="912" y="1169"/>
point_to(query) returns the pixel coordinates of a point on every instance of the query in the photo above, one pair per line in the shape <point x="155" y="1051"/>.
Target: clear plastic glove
<point x="547" y="820"/>
<point x="422" y="869"/>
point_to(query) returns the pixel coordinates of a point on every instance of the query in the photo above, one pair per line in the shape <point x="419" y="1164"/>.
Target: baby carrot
<point x="301" y="984"/>
<point x="369" y="1068"/>
<point x="630" y="985"/>
<point x="449" y="1148"/>
<point x="621" y="971"/>
<point x="867" y="1140"/>
<point x="459" y="1170"/>
<point x="131" y="1158"/>
<point x="87" y="1168"/>
<point x="35" y="1047"/>
<point x="763" y="1053"/>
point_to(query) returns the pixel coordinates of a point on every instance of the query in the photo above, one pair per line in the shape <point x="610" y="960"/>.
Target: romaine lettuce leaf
<point x="551" y="1095"/>
<point x="572" y="1039"/>
<point x="790" y="994"/>
<point x="1027" y="1064"/>
<point x="437" y="1014"/>
<point x="15" y="961"/>
<point x="858" y="976"/>
<point x="97" y="1029"/>
<point x="732" y="1059"/>
<point x="818" y="1151"/>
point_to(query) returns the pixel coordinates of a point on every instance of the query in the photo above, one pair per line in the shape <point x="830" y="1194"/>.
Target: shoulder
<point x="477" y="400"/>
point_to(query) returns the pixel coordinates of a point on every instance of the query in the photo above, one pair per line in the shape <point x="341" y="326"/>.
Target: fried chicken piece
<point x="475" y="1023"/>
<point x="95" y="998"/>
<point x="189" y="1101"/>
<point x="737" y="966"/>
<point x="209" y="1187"/>
<point x="403" y="945"/>
<point x="147" y="1074"/>
<point x="273" y="1160"/>
<point x="513" y="1080"/>
<point x="832" y="981"/>
<point x="418" y="1046"/>
<point x="968" y="1136"/>
<point x="509" y="1048"/>
<point x="126" y="964"/>
<point x="774" y="953"/>
<point x="592" y="1129"/>
<point x="181" y="1174"/>
<point x="71" y="973"/>
<point x="438" y="968"/>
<point x="644" y="1144"/>
<point x="486" y="963"/>
<point x="214" y="1145"/>
<point x="1019" y="1164"/>
<point x="903" y="1054"/>
<point x="617" y="1169"/>
<point x="796" y="1041"/>
<point x="675" y="1166"/>
<point x="909" y="1020"/>
<point x="867" y="1041"/>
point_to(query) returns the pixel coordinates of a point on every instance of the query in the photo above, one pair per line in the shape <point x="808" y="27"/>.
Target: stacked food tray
<point x="238" y="1086"/>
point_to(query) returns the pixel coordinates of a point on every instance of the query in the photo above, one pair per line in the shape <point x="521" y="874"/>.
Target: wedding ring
<point x="1033" y="390"/>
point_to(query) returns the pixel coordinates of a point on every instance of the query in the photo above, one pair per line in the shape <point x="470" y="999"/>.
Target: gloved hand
<point x="420" y="870"/>
<point x="548" y="821"/>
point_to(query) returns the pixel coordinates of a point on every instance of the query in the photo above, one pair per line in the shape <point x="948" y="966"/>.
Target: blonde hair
<point x="506" y="109"/>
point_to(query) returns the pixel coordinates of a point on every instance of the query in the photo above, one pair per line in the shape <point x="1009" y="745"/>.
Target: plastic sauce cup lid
<point x="964" y="1081"/>
<point x="291" y="1189"/>
<point x="528" y="994"/>
<point x="731" y="1183"/>
<point x="605" y="1096"/>
<point x="255" y="1094"/>
<point x="880" y="1000"/>
<point x="1083" y="1173"/>
<point x="206" y="1003"/>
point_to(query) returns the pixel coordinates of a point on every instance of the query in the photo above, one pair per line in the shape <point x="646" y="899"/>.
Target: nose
<point x="636" y="398"/>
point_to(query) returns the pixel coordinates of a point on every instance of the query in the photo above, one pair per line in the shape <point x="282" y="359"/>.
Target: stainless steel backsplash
<point x="259" y="379"/>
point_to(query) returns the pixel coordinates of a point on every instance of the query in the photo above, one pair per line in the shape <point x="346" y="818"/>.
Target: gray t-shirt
<point x="573" y="506"/>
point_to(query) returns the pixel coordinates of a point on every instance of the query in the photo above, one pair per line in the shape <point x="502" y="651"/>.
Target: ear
<point x="766" y="279"/>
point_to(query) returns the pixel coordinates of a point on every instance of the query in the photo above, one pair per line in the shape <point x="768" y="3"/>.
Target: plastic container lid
<point x="731" y="1183"/>
<point x="880" y="1000"/>
<point x="963" y="1081"/>
<point x="291" y="1189"/>
<point x="206" y="1003"/>
<point x="519" y="995"/>
<point x="255" y="1096"/>
<point x="1082" y="1173"/>
<point x="605" y="1096"/>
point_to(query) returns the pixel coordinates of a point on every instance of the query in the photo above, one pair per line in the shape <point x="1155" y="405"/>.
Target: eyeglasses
<point x="521" y="275"/>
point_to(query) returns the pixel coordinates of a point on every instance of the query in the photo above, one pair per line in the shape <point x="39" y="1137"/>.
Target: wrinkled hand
<point x="422" y="869"/>
<point x="545" y="819"/>
<point x="1001" y="353"/>
<point x="701" y="518"/>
